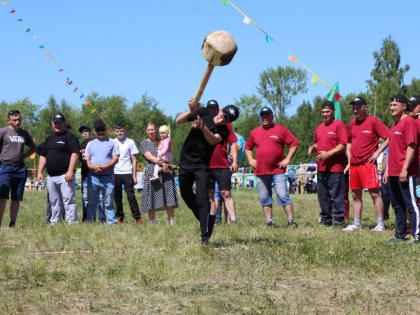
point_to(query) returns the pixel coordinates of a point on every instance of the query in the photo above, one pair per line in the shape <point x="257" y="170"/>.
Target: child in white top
<point x="164" y="150"/>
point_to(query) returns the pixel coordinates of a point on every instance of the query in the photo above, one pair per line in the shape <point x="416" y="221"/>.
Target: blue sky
<point x="131" y="47"/>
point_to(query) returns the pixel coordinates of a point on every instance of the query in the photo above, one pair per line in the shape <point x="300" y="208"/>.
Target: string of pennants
<point x="270" y="40"/>
<point x="70" y="83"/>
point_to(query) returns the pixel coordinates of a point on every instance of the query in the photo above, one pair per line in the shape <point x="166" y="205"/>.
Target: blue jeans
<point x="279" y="183"/>
<point x="85" y="200"/>
<point x="218" y="196"/>
<point x="96" y="186"/>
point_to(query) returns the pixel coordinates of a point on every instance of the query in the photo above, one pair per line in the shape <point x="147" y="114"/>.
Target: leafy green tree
<point x="414" y="88"/>
<point x="387" y="78"/>
<point x="279" y="86"/>
<point x="249" y="107"/>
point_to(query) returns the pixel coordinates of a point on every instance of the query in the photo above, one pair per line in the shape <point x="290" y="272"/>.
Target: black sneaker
<point x="271" y="224"/>
<point x="205" y="242"/>
<point x="12" y="224"/>
<point x="292" y="224"/>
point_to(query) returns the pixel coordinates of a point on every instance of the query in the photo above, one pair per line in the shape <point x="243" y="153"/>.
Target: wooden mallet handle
<point x="194" y="105"/>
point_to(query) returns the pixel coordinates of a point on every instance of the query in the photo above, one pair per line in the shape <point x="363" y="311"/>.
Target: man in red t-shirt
<point x="330" y="145"/>
<point x="402" y="169"/>
<point x="220" y="171"/>
<point x="414" y="111"/>
<point x="362" y="151"/>
<point x="270" y="165"/>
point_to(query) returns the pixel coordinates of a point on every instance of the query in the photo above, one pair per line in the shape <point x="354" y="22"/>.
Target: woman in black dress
<point x="160" y="194"/>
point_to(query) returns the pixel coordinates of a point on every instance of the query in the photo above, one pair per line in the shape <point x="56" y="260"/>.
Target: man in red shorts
<point x="402" y="170"/>
<point x="362" y="151"/>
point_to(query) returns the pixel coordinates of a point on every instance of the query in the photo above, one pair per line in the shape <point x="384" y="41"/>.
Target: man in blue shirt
<point x="101" y="156"/>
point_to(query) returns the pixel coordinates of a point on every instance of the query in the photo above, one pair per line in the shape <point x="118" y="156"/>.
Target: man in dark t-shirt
<point x="12" y="169"/>
<point x="60" y="154"/>
<point x="207" y="131"/>
<point x="85" y="133"/>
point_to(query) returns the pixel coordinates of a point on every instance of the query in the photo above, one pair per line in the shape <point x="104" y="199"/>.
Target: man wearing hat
<point x="270" y="164"/>
<point x="101" y="156"/>
<point x="403" y="169"/>
<point x="413" y="108"/>
<point x="59" y="154"/>
<point x="208" y="130"/>
<point x="362" y="151"/>
<point x="330" y="145"/>
<point x="220" y="172"/>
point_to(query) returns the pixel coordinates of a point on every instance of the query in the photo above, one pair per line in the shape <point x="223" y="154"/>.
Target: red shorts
<point x="364" y="176"/>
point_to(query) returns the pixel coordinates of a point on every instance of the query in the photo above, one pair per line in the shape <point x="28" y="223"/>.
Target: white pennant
<point x="246" y="20"/>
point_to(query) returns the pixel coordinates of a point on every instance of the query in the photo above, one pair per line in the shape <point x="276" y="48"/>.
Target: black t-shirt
<point x="196" y="151"/>
<point x="83" y="162"/>
<point x="57" y="150"/>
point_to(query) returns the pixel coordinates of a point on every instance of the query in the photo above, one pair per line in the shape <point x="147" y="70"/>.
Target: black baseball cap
<point x="99" y="125"/>
<point x="358" y="101"/>
<point x="414" y="101"/>
<point x="59" y="117"/>
<point x="327" y="105"/>
<point x="266" y="110"/>
<point x="231" y="112"/>
<point x="399" y="98"/>
<point x="213" y="104"/>
<point x="82" y="128"/>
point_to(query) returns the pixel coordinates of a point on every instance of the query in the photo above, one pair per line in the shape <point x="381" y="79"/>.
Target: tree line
<point x="276" y="88"/>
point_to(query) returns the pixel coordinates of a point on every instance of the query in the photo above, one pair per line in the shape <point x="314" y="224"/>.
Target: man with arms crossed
<point x="330" y="146"/>
<point x="220" y="171"/>
<point x="125" y="174"/>
<point x="13" y="172"/>
<point x="403" y="167"/>
<point x="362" y="152"/>
<point x="270" y="164"/>
<point x="59" y="154"/>
<point x="207" y="130"/>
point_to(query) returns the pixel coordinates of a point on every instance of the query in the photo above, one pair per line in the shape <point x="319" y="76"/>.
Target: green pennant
<point x="334" y="96"/>
<point x="225" y="2"/>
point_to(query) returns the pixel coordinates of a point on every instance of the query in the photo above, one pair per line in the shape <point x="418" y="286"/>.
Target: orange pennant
<point x="48" y="54"/>
<point x="292" y="58"/>
<point x="87" y="103"/>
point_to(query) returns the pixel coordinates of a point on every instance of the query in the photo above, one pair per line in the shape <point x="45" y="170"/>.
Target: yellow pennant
<point x="4" y="2"/>
<point x="93" y="111"/>
<point x="315" y="79"/>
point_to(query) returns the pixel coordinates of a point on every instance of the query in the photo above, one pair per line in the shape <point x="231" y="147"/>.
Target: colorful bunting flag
<point x="315" y="79"/>
<point x="47" y="55"/>
<point x="60" y="70"/>
<point x="4" y="2"/>
<point x="246" y="20"/>
<point x="41" y="46"/>
<point x="87" y="103"/>
<point x="334" y="96"/>
<point x="268" y="38"/>
<point x="82" y="96"/>
<point x="20" y="20"/>
<point x="93" y="111"/>
<point x="225" y="2"/>
<point x="98" y="117"/>
<point x="292" y="58"/>
<point x="54" y="63"/>
<point x="28" y="30"/>
<point x="75" y="90"/>
<point x="13" y="11"/>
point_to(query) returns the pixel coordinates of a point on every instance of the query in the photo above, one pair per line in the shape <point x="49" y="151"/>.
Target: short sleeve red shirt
<point x="403" y="133"/>
<point x="418" y="135"/>
<point x="364" y="138"/>
<point x="327" y="137"/>
<point x="219" y="159"/>
<point x="269" y="145"/>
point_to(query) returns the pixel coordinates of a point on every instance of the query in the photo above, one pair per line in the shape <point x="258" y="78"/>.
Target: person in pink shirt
<point x="362" y="151"/>
<point x="164" y="151"/>
<point x="330" y="145"/>
<point x="270" y="164"/>
<point x="402" y="170"/>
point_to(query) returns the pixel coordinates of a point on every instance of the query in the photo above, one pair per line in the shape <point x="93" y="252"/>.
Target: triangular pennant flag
<point x="60" y="70"/>
<point x="82" y="96"/>
<point x="225" y="2"/>
<point x="75" y="90"/>
<point x="36" y="38"/>
<point x="246" y="20"/>
<point x="93" y="111"/>
<point x="98" y="117"/>
<point x="41" y="46"/>
<point x="28" y="30"/>
<point x="20" y="20"/>
<point x="54" y="63"/>
<point x="334" y="96"/>
<point x="13" y="11"/>
<point x="315" y="79"/>
<point x="48" y="55"/>
<point x="4" y="2"/>
<point x="87" y="103"/>
<point x="292" y="58"/>
<point x="268" y="38"/>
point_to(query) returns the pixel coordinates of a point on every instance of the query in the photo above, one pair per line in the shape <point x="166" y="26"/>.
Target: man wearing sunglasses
<point x="12" y="169"/>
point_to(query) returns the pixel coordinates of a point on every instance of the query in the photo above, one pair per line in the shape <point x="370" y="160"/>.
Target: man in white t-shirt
<point x="125" y="174"/>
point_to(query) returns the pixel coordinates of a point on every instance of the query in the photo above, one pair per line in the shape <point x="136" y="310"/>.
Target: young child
<point x="164" y="150"/>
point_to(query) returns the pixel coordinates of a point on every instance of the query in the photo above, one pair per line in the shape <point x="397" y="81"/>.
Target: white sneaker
<point x="352" y="227"/>
<point x="379" y="228"/>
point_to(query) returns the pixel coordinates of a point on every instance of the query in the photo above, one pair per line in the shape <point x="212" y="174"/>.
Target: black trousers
<point x="386" y="198"/>
<point x="128" y="182"/>
<point x="198" y="202"/>
<point x="331" y="186"/>
<point x="403" y="195"/>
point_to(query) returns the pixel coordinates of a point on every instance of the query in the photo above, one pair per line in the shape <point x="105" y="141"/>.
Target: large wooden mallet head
<point x="218" y="49"/>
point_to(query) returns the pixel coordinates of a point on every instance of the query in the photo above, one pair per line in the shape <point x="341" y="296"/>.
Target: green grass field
<point x="262" y="271"/>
